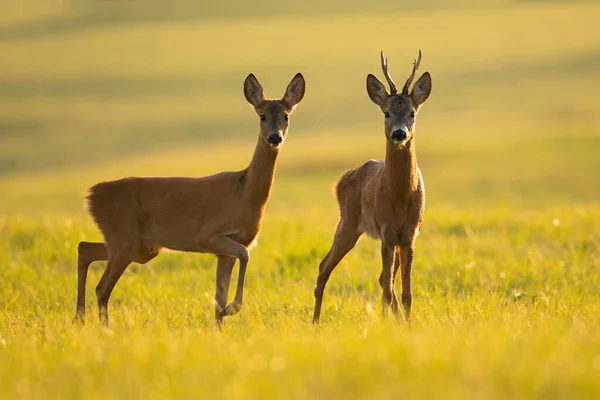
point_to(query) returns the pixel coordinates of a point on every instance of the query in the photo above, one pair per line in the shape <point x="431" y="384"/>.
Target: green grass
<point x="505" y="280"/>
<point x="505" y="306"/>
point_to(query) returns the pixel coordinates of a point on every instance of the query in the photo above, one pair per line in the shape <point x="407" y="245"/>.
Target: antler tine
<point x="416" y="64"/>
<point x="384" y="67"/>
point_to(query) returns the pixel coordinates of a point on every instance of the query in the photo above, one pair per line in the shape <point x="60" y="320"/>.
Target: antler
<point x="384" y="67"/>
<point x="412" y="76"/>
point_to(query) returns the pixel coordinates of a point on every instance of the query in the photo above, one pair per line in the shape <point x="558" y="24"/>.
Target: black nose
<point x="399" y="135"/>
<point x="275" y="138"/>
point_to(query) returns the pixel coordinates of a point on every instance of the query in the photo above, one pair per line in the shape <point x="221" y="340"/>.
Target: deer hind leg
<point x="387" y="261"/>
<point x="87" y="252"/>
<point x="406" y="256"/>
<point x="344" y="240"/>
<point x="224" y="270"/>
<point x="113" y="273"/>
<point x="118" y="260"/>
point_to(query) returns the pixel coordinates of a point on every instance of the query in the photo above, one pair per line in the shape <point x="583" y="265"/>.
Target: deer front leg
<point x="224" y="269"/>
<point x="225" y="246"/>
<point x="387" y="261"/>
<point x="406" y="256"/>
<point x="395" y="303"/>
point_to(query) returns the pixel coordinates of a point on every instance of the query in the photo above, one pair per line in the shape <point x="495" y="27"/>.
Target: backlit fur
<point x="383" y="199"/>
<point x="219" y="214"/>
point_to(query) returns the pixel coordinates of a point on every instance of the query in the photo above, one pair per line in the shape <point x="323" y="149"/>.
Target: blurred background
<point x="96" y="90"/>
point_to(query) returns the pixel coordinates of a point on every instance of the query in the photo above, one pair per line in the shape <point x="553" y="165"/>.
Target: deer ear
<point x="295" y="91"/>
<point x="253" y="91"/>
<point x="376" y="90"/>
<point x="421" y="89"/>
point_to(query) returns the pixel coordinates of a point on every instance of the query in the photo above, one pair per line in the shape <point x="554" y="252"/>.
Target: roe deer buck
<point x="219" y="214"/>
<point x="386" y="199"/>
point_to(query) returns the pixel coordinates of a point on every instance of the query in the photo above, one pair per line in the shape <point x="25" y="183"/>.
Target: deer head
<point x="274" y="114"/>
<point x="399" y="109"/>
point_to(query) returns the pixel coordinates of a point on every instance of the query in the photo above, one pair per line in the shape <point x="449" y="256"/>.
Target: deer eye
<point x="263" y="118"/>
<point x="412" y="114"/>
<point x="386" y="114"/>
<point x="286" y="117"/>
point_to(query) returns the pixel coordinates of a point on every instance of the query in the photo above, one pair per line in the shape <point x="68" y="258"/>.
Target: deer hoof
<point x="231" y="309"/>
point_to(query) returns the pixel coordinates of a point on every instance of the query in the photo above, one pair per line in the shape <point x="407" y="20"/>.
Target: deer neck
<point x="258" y="177"/>
<point x="400" y="171"/>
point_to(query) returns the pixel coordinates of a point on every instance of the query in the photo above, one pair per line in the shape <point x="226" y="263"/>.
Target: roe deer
<point x="385" y="199"/>
<point x="219" y="214"/>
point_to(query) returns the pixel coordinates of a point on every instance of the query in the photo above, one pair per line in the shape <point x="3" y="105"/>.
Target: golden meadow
<point x="505" y="277"/>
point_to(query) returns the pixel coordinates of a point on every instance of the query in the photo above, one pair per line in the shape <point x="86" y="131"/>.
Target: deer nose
<point x="399" y="135"/>
<point x="275" y="139"/>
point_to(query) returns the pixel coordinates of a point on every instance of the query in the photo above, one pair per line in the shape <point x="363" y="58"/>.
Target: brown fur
<point x="219" y="214"/>
<point x="384" y="200"/>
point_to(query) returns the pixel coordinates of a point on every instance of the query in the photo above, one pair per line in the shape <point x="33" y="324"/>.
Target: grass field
<point x="506" y="274"/>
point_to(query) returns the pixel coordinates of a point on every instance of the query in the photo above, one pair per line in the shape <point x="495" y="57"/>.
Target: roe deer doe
<point x="219" y="214"/>
<point x="385" y="199"/>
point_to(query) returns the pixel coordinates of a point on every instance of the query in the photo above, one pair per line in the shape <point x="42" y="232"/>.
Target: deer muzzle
<point x="399" y="135"/>
<point x="275" y="139"/>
